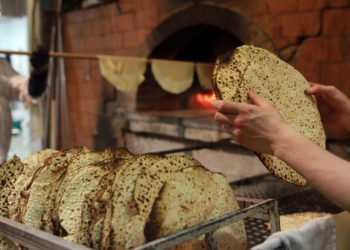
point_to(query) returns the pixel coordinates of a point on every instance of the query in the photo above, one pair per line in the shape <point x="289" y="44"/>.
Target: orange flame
<point x="203" y="100"/>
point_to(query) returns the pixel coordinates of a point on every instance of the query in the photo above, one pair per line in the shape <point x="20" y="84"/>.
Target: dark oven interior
<point x="201" y="43"/>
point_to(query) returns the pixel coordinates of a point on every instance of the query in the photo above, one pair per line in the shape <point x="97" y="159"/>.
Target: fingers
<point x="228" y="107"/>
<point x="224" y="118"/>
<point x="256" y="99"/>
<point x="317" y="89"/>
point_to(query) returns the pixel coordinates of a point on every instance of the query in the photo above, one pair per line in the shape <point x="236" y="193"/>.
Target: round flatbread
<point x="251" y="68"/>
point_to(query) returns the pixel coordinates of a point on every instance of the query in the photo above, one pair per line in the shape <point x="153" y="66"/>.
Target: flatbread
<point x="31" y="164"/>
<point x="9" y="173"/>
<point x="87" y="158"/>
<point x="251" y="68"/>
<point x="124" y="208"/>
<point x="76" y="202"/>
<point x="43" y="189"/>
<point x="296" y="220"/>
<point x="210" y="195"/>
<point x="174" y="210"/>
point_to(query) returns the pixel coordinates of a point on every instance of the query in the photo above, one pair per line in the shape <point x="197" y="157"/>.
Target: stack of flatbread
<point x="115" y="200"/>
<point x="251" y="68"/>
<point x="295" y="221"/>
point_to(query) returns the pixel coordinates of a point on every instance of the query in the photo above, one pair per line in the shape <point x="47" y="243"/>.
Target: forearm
<point x="325" y="171"/>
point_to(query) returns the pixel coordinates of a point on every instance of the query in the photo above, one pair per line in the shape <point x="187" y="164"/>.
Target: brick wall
<point x="314" y="35"/>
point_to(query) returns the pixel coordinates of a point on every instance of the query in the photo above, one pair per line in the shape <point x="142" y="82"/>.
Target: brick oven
<point x="312" y="35"/>
<point x="163" y="121"/>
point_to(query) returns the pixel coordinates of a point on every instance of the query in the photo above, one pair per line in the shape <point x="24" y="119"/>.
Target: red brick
<point x="106" y="25"/>
<point x="313" y="49"/>
<point x="150" y="4"/>
<point x="83" y="137"/>
<point x="85" y="28"/>
<point x="91" y="13"/>
<point x="93" y="27"/>
<point x="127" y="6"/>
<point x="93" y="43"/>
<point x="274" y="7"/>
<point x="73" y="91"/>
<point x="338" y="3"/>
<point x="124" y="23"/>
<point x="89" y="121"/>
<point x="126" y="52"/>
<point x="312" y="4"/>
<point x="146" y="18"/>
<point x="74" y="105"/>
<point x="109" y="10"/>
<point x="284" y="42"/>
<point x="336" y="22"/>
<point x="134" y="38"/>
<point x="339" y="49"/>
<point x="90" y="90"/>
<point x="73" y="16"/>
<point x="251" y="7"/>
<point x="310" y="70"/>
<point x="336" y="74"/>
<point x="115" y="41"/>
<point x="294" y="25"/>
<point x="90" y="106"/>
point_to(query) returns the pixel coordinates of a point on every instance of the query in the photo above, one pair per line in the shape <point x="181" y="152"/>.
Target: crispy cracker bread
<point x="31" y="164"/>
<point x="251" y="68"/>
<point x="296" y="220"/>
<point x="124" y="207"/>
<point x="76" y="202"/>
<point x="210" y="195"/>
<point x="10" y="171"/>
<point x="105" y="199"/>
<point x="44" y="185"/>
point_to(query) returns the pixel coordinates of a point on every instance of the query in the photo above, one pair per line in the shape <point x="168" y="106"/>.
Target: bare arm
<point x="261" y="128"/>
<point x="328" y="173"/>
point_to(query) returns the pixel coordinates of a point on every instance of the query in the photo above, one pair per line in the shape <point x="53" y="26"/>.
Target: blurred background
<point x="80" y="107"/>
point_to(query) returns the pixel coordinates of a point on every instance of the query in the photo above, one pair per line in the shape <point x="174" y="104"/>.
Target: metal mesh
<point x="291" y="199"/>
<point x="257" y="231"/>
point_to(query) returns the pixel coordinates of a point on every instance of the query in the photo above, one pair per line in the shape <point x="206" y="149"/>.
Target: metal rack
<point x="261" y="217"/>
<point x="266" y="210"/>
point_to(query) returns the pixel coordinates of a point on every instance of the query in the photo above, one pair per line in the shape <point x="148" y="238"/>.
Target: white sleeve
<point x="316" y="234"/>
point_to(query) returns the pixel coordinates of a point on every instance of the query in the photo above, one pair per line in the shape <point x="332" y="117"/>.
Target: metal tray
<point x="265" y="211"/>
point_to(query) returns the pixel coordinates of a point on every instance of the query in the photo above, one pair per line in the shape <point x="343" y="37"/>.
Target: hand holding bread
<point x="278" y="86"/>
<point x="334" y="108"/>
<point x="256" y="126"/>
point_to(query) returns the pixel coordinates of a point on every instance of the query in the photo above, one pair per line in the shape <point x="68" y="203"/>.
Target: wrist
<point x="283" y="141"/>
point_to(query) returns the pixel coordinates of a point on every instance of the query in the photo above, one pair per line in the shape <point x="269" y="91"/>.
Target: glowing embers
<point x="201" y="100"/>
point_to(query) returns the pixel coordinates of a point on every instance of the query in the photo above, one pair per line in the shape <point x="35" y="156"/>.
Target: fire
<point x="203" y="100"/>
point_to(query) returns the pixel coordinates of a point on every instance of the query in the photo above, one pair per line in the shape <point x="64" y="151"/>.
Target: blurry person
<point x="12" y="87"/>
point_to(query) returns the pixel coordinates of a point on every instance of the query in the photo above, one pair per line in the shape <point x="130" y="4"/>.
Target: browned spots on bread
<point x="251" y="68"/>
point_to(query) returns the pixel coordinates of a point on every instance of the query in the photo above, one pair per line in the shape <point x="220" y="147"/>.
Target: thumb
<point x="256" y="99"/>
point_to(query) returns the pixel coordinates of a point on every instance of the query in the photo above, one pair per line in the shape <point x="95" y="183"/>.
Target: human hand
<point x="256" y="126"/>
<point x="334" y="107"/>
<point x="20" y="85"/>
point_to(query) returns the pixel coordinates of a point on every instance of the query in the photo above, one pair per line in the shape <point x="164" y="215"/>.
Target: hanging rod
<point x="83" y="56"/>
<point x="54" y="54"/>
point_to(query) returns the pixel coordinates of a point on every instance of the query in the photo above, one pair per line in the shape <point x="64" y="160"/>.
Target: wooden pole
<point x="54" y="54"/>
